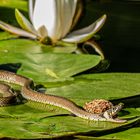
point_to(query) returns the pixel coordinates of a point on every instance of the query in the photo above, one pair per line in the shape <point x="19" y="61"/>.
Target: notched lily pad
<point x="63" y="65"/>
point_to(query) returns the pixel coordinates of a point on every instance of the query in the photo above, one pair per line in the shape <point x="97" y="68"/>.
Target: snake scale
<point x="28" y="93"/>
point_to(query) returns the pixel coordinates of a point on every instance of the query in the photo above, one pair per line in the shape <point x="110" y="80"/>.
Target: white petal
<point x="86" y="33"/>
<point x="55" y="15"/>
<point x="31" y="8"/>
<point x="45" y="14"/>
<point x="43" y="31"/>
<point x="68" y="8"/>
<point x="58" y="24"/>
<point x="15" y="30"/>
<point x="65" y="10"/>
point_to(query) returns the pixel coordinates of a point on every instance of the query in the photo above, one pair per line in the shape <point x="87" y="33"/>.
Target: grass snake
<point x="28" y="93"/>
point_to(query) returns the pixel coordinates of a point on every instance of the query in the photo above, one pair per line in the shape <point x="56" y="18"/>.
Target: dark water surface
<point x="120" y="36"/>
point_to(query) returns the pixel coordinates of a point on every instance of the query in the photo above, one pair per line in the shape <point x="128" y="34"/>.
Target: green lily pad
<point x="57" y="72"/>
<point x="10" y="43"/>
<point x="20" y="4"/>
<point x="52" y="66"/>
<point x="20" y="46"/>
<point x="35" y="120"/>
<point x="108" y="86"/>
<point x="130" y="134"/>
<point x="6" y="36"/>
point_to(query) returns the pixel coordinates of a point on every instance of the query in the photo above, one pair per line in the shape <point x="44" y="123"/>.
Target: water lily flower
<point x="54" y="20"/>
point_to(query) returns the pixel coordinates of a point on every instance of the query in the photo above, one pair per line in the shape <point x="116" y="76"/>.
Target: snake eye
<point x="114" y="112"/>
<point x="116" y="109"/>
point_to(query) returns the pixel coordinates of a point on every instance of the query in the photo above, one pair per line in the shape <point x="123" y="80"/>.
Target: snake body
<point x="32" y="95"/>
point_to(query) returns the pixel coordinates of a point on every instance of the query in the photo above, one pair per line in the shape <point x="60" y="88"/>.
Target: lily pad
<point x="20" y="4"/>
<point x="10" y="43"/>
<point x="133" y="133"/>
<point x="6" y="36"/>
<point x="57" y="71"/>
<point x="35" y="120"/>
<point x="63" y="66"/>
<point x="97" y="84"/>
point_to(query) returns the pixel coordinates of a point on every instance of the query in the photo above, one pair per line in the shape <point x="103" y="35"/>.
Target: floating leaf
<point x="20" y="4"/>
<point x="30" y="46"/>
<point x="35" y="120"/>
<point x="64" y="65"/>
<point x="6" y="36"/>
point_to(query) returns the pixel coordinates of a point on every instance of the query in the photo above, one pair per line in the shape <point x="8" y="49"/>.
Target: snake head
<point x="112" y="112"/>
